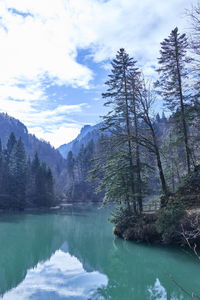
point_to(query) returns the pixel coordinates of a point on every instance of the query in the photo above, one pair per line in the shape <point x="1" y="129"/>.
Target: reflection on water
<point x="157" y="291"/>
<point x="74" y="255"/>
<point x="61" y="277"/>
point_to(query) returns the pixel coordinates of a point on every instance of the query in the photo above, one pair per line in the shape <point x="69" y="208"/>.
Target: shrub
<point x="169" y="220"/>
<point x="122" y="218"/>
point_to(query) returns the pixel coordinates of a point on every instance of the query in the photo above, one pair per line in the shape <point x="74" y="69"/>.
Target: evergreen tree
<point x="33" y="167"/>
<point x="42" y="183"/>
<point x="17" y="171"/>
<point x="88" y="155"/>
<point x="80" y="162"/>
<point x="119" y="118"/>
<point x="49" y="186"/>
<point x="172" y="73"/>
<point x="79" y="189"/>
<point x="70" y="163"/>
<point x="194" y="16"/>
<point x="70" y="166"/>
<point x="10" y="145"/>
<point x="116" y="181"/>
<point x="35" y="163"/>
<point x="135" y="86"/>
<point x="23" y="183"/>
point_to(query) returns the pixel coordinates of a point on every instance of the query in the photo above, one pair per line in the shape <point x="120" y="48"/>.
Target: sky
<point x="55" y="56"/>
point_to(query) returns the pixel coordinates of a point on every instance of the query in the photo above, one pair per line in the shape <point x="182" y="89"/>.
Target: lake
<point x="72" y="254"/>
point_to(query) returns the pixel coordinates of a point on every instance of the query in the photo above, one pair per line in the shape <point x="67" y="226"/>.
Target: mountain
<point x="45" y="151"/>
<point x="87" y="134"/>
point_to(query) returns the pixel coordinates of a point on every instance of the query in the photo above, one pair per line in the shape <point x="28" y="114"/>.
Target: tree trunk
<point x="129" y="144"/>
<point x="159" y="164"/>
<point x="187" y="150"/>
<point x="138" y="164"/>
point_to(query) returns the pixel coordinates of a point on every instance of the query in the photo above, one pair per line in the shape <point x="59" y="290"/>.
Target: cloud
<point x="40" y="40"/>
<point x="39" y="44"/>
<point x="43" y="36"/>
<point x="53" y="125"/>
<point x="58" y="135"/>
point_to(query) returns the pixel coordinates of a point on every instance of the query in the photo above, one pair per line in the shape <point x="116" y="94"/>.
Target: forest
<point x="24" y="183"/>
<point x="141" y="154"/>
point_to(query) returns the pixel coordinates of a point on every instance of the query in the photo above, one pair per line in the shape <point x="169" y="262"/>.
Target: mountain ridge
<point x="32" y="144"/>
<point x="87" y="133"/>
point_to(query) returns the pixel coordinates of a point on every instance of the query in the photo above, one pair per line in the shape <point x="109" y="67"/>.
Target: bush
<point x="169" y="220"/>
<point x="134" y="227"/>
<point x="122" y="218"/>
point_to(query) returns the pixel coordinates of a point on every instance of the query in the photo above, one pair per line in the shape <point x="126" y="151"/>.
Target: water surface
<point x="73" y="255"/>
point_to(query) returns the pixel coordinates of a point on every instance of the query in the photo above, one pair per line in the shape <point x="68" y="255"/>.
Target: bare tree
<point x="150" y="141"/>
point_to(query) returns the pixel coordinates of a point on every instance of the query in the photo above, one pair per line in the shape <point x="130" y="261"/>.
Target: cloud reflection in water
<point x="61" y="277"/>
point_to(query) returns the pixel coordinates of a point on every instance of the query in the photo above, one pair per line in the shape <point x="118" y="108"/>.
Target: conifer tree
<point x="194" y="16"/>
<point x="22" y="182"/>
<point x="88" y="154"/>
<point x="119" y="117"/>
<point x="35" y="163"/>
<point x="70" y="164"/>
<point x="10" y="144"/>
<point x="17" y="172"/>
<point x="172" y="73"/>
<point x="134" y="82"/>
<point x="33" y="167"/>
<point x="49" y="185"/>
<point x="116" y="181"/>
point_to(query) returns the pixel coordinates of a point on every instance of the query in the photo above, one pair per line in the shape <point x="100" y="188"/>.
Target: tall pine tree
<point x="119" y="118"/>
<point x="134" y="82"/>
<point x="173" y="73"/>
<point x="17" y="171"/>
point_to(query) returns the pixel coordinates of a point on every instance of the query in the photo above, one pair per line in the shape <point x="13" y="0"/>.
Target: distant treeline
<point x="23" y="183"/>
<point x="78" y="166"/>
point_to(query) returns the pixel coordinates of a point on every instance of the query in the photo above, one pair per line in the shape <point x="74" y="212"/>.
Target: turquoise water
<point x="73" y="255"/>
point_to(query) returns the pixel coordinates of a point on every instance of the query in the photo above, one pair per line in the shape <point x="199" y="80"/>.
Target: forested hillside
<point x="24" y="182"/>
<point x="45" y="151"/>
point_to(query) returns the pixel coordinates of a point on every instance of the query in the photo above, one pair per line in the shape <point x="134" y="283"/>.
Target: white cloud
<point x="39" y="45"/>
<point x="44" y="43"/>
<point x="59" y="135"/>
<point x="55" y="125"/>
